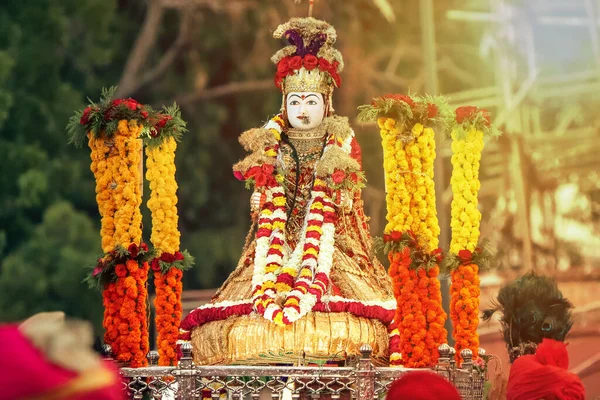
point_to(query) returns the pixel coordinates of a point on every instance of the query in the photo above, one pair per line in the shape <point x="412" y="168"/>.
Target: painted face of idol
<point x="305" y="110"/>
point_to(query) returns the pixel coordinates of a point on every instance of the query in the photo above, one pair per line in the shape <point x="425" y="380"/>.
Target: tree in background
<point x="52" y="55"/>
<point x="212" y="58"/>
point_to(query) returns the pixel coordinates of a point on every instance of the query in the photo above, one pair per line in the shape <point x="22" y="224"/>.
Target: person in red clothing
<point x="544" y="375"/>
<point x="422" y="385"/>
<point x="50" y="358"/>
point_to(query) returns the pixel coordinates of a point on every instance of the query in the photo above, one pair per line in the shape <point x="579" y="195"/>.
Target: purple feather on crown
<point x="295" y="39"/>
<point x="316" y="44"/>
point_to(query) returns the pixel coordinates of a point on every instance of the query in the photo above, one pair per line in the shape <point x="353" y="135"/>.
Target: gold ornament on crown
<point x="304" y="80"/>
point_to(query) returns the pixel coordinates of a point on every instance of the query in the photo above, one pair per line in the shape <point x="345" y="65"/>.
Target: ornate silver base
<point x="362" y="381"/>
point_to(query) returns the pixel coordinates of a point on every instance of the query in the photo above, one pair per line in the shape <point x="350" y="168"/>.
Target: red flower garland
<point x="287" y="66"/>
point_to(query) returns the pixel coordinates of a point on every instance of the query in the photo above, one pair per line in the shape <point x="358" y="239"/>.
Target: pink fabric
<point x="25" y="371"/>
<point x="422" y="385"/>
<point x="544" y="375"/>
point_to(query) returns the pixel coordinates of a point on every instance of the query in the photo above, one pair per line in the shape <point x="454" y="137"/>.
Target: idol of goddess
<point x="307" y="287"/>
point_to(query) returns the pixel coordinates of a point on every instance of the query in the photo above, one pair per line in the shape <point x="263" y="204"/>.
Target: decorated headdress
<point x="309" y="63"/>
<point x="532" y="308"/>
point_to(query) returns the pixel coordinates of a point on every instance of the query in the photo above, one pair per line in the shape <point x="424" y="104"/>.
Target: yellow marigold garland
<point x="160" y="172"/>
<point x="104" y="162"/>
<point x="465" y="254"/>
<point x="127" y="193"/>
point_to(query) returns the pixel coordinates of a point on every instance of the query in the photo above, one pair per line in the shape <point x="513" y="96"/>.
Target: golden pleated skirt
<point x="315" y="338"/>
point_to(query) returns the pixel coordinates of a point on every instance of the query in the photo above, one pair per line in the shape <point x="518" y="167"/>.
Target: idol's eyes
<point x="309" y="102"/>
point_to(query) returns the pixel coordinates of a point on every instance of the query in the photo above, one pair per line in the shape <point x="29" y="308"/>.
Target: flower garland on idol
<point x="467" y="258"/>
<point x="113" y="129"/>
<point x="288" y="284"/>
<point x="411" y="233"/>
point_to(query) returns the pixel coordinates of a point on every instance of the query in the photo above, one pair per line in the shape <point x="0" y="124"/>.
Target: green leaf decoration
<point x="102" y="119"/>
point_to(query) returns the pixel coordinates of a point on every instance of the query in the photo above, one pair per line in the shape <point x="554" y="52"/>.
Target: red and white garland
<point x="380" y="310"/>
<point x="287" y="285"/>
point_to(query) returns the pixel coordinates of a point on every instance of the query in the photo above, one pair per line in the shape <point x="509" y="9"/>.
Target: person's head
<point x="307" y="71"/>
<point x="422" y="385"/>
<point x="305" y="110"/>
<point x="544" y="375"/>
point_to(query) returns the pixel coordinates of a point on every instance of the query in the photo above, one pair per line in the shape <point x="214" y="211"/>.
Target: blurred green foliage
<point x="55" y="54"/>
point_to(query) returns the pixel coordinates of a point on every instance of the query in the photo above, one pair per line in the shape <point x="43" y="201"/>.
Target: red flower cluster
<point x="134" y="250"/>
<point x="129" y="103"/>
<point x="263" y="175"/>
<point x="395" y="236"/>
<point x="467" y="113"/>
<point x="465" y="257"/>
<point x="114" y="257"/>
<point x="429" y="109"/>
<point x="167" y="258"/>
<point x="289" y="64"/>
<point x="338" y="176"/>
<point x="158" y="127"/>
<point x="432" y="110"/>
<point x="400" y="97"/>
<point x="85" y="117"/>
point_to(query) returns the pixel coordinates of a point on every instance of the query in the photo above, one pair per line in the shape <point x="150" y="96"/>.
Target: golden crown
<point x="304" y="80"/>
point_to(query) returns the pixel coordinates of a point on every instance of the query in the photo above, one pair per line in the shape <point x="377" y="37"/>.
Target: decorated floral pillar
<point x="467" y="257"/>
<point x="411" y="234"/>
<point x="115" y="131"/>
<point x="169" y="264"/>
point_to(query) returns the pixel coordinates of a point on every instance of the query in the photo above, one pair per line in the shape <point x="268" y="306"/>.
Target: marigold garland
<point x="412" y="230"/>
<point x="165" y="237"/>
<point x="115" y="129"/>
<point x="160" y="172"/>
<point x="104" y="161"/>
<point x="467" y="145"/>
<point x="115" y="163"/>
<point x="168" y="313"/>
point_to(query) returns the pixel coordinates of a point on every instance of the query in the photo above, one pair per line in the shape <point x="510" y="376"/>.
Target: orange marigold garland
<point x="466" y="257"/>
<point x="168" y="313"/>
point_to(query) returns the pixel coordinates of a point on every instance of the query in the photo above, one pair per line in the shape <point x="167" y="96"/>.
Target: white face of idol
<point x="305" y="110"/>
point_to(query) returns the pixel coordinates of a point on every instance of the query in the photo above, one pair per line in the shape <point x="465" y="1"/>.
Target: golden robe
<point x="357" y="309"/>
